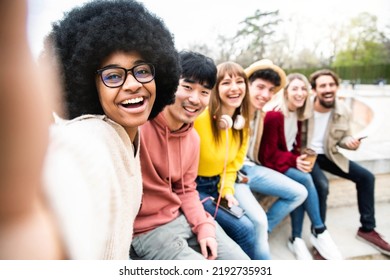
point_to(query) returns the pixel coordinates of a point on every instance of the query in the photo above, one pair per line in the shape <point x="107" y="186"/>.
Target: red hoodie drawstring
<point x="169" y="165"/>
<point x="181" y="168"/>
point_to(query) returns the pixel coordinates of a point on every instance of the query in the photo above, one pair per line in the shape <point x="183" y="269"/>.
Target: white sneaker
<point x="299" y="249"/>
<point x="326" y="246"/>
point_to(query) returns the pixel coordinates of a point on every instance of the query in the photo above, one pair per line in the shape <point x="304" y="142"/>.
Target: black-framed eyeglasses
<point x="115" y="76"/>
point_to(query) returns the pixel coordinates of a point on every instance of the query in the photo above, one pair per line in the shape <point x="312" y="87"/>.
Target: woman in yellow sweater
<point x="224" y="132"/>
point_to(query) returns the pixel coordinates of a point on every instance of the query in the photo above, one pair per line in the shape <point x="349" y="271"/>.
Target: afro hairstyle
<point x="90" y="33"/>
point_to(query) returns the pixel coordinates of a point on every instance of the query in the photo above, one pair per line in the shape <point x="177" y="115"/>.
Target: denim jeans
<point x="365" y="185"/>
<point x="311" y="204"/>
<point x="267" y="181"/>
<point x="256" y="214"/>
<point x="176" y="241"/>
<point x="241" y="230"/>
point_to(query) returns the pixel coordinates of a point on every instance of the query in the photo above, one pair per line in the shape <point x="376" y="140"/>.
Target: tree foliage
<point x="257" y="35"/>
<point x="356" y="48"/>
<point x="365" y="43"/>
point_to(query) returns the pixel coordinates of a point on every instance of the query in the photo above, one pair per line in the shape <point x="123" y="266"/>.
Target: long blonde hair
<point x="303" y="112"/>
<point x="232" y="69"/>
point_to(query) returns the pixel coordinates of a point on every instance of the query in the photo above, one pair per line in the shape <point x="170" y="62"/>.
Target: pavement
<point x="370" y="106"/>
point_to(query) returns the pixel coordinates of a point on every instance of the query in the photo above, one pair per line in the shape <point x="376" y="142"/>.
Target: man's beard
<point x="325" y="104"/>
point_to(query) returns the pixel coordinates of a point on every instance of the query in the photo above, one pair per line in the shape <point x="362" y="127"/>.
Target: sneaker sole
<point x="317" y="255"/>
<point x="313" y="243"/>
<point x="325" y="256"/>
<point x="373" y="245"/>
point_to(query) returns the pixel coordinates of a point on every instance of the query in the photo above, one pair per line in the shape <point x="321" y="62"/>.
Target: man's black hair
<point x="198" y="68"/>
<point x="267" y="75"/>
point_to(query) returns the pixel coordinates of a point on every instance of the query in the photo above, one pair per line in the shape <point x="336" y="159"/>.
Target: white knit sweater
<point x="94" y="185"/>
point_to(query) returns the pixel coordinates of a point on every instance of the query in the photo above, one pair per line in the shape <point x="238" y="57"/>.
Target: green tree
<point x="256" y="35"/>
<point x="365" y="44"/>
<point x="337" y="39"/>
<point x="386" y="40"/>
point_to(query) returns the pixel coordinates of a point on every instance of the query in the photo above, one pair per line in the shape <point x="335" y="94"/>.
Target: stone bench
<point x="342" y="192"/>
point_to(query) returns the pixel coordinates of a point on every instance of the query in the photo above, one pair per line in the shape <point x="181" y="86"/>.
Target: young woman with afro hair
<point x="117" y="67"/>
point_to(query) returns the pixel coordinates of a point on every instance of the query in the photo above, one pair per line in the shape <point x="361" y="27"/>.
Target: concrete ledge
<point x="342" y="192"/>
<point x="374" y="157"/>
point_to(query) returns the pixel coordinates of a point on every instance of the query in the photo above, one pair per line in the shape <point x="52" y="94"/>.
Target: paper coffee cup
<point x="311" y="156"/>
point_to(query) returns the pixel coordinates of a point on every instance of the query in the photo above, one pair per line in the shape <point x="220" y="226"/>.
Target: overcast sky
<point x="200" y="21"/>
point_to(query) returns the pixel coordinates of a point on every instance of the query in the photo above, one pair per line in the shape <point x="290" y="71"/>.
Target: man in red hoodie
<point x="172" y="223"/>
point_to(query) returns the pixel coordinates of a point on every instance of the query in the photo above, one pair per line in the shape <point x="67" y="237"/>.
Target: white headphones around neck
<point x="226" y="122"/>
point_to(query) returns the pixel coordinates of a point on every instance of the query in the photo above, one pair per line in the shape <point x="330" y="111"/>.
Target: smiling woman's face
<point x="297" y="93"/>
<point x="130" y="104"/>
<point x="232" y="92"/>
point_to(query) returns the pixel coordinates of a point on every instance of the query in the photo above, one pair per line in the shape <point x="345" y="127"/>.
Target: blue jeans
<point x="267" y="181"/>
<point x="256" y="214"/>
<point x="311" y="204"/>
<point x="365" y="185"/>
<point x="242" y="230"/>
